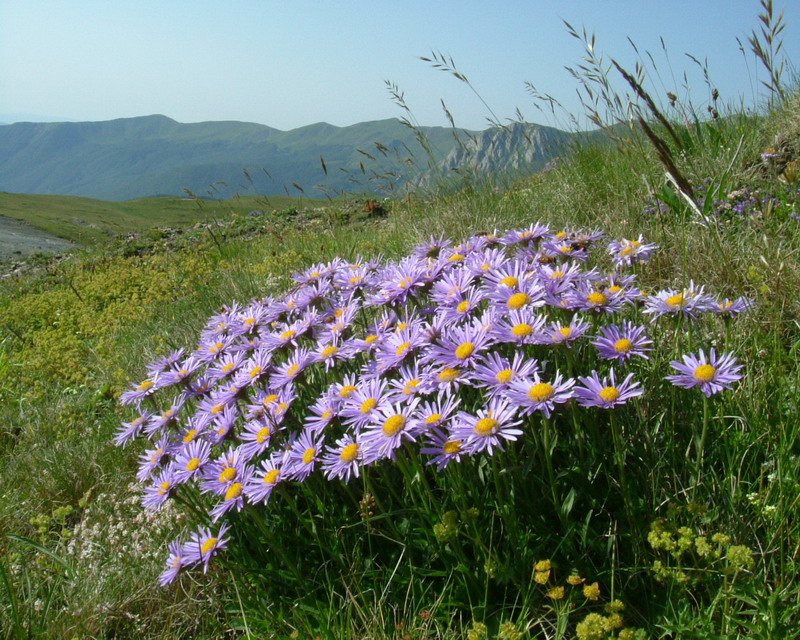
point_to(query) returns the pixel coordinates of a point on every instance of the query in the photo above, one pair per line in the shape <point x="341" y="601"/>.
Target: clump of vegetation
<point x="543" y="511"/>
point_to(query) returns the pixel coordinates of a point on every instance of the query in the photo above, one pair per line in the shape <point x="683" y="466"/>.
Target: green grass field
<point x="87" y="221"/>
<point x="671" y="514"/>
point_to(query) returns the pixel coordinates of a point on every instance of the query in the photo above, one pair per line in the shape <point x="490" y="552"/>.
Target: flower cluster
<point x="363" y="358"/>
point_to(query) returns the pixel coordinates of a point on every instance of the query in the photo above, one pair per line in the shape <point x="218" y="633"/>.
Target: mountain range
<point x="157" y="156"/>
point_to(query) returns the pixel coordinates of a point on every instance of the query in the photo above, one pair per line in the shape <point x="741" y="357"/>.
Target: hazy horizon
<point x="292" y="66"/>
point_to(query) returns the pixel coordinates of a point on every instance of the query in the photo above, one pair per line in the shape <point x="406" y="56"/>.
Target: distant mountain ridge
<point x="155" y="155"/>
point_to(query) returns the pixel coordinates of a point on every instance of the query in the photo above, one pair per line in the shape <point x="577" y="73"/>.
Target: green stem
<point x="551" y="475"/>
<point x="701" y="444"/>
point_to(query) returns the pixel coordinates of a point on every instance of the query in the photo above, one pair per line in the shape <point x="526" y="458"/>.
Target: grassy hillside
<point x="87" y="221"/>
<point x="615" y="501"/>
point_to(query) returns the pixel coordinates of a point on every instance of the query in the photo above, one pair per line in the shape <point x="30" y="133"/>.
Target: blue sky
<point x="289" y="64"/>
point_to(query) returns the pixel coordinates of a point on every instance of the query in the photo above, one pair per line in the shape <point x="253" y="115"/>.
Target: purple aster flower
<point x="303" y="456"/>
<point x="190" y="460"/>
<point x="689" y="302"/>
<point x="289" y="371"/>
<point x="459" y="347"/>
<point x="483" y="262"/>
<point x="487" y="429"/>
<point x="438" y="412"/>
<point x="566" y="334"/>
<point x="712" y="374"/>
<point x="390" y="428"/>
<point x="526" y="236"/>
<point x="533" y="394"/>
<point x="219" y="474"/>
<point x="606" y="393"/>
<point x="233" y="498"/>
<point x="225" y="366"/>
<point x="518" y="327"/>
<point x="158" y="493"/>
<point x="323" y="412"/>
<point x="344" y="459"/>
<point x="625" y="253"/>
<point x="564" y="250"/>
<point x="732" y="308"/>
<point x="586" y="297"/>
<point x="448" y="378"/>
<point x="131" y="430"/>
<point x="413" y="380"/>
<point x="444" y="448"/>
<point x="622" y="343"/>
<point x="358" y="408"/>
<point x="496" y="373"/>
<point x="527" y="293"/>
<point x="432" y="248"/>
<point x="139" y="391"/>
<point x="451" y="286"/>
<point x="174" y="563"/>
<point x="151" y="459"/>
<point x="260" y="485"/>
<point x="461" y="308"/>
<point x="204" y="545"/>
<point x="257" y="435"/>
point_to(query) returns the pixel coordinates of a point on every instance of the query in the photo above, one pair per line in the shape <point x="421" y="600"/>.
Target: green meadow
<point x="87" y="221"/>
<point x="664" y="514"/>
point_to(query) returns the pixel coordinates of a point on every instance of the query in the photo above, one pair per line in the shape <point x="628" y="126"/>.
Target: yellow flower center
<point x="368" y="405"/>
<point x="145" y="386"/>
<point x="256" y="371"/>
<point x="234" y="491"/>
<point x="433" y="418"/>
<point x="522" y="330"/>
<point x="329" y="352"/>
<point x="228" y="474"/>
<point x="596" y="298"/>
<point x="269" y="399"/>
<point x="287" y="335"/>
<point x="510" y="281"/>
<point x="347" y="390"/>
<point x="456" y="257"/>
<point x="349" y="453"/>
<point x="675" y="301"/>
<point x="190" y="435"/>
<point x="164" y="487"/>
<point x="452" y="446"/>
<point x="394" y="425"/>
<point x="262" y="435"/>
<point x="561" y="235"/>
<point x="614" y="288"/>
<point x="504" y="376"/>
<point x="609" y="394"/>
<point x="371" y="339"/>
<point x="623" y="345"/>
<point x="705" y="373"/>
<point x="465" y="350"/>
<point x="541" y="392"/>
<point x="518" y="300"/>
<point x="355" y="280"/>
<point x="411" y="386"/>
<point x="565" y="332"/>
<point x="271" y="477"/>
<point x="193" y="464"/>
<point x="448" y="375"/>
<point x="556" y="275"/>
<point x="217" y="408"/>
<point x="228" y="367"/>
<point x="485" y="426"/>
<point x="402" y="349"/>
<point x="308" y="455"/>
<point x="215" y="347"/>
<point x="208" y="545"/>
<point x="627" y="251"/>
<point x="293" y="370"/>
<point x="463" y="306"/>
